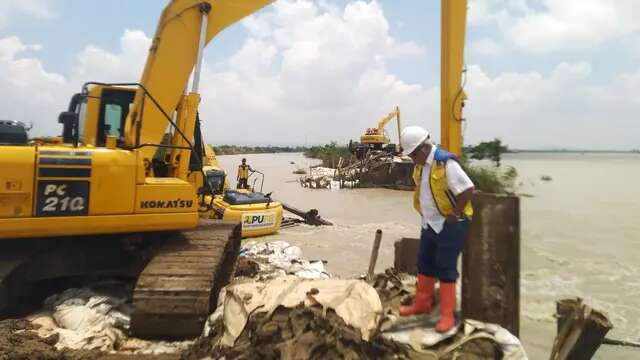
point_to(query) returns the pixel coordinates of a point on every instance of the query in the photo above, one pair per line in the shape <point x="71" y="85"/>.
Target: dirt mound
<point x="300" y="333"/>
<point x="17" y="341"/>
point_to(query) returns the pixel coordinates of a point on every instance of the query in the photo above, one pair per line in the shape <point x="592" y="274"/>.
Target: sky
<point x="540" y="74"/>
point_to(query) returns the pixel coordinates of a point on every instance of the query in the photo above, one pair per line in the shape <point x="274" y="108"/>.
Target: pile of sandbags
<point x="86" y="319"/>
<point x="279" y="258"/>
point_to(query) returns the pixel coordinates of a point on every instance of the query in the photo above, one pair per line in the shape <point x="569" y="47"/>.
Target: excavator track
<point x="179" y="287"/>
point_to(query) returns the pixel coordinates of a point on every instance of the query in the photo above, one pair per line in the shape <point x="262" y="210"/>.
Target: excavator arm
<point x="176" y="48"/>
<point x="385" y="120"/>
<point x="452" y="96"/>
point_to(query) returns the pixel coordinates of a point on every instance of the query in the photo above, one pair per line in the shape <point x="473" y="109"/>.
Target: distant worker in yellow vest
<point x="243" y="174"/>
<point x="442" y="197"/>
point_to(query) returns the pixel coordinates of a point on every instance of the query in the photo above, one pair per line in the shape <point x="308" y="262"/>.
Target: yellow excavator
<point x="376" y="138"/>
<point x="256" y="212"/>
<point x="110" y="198"/>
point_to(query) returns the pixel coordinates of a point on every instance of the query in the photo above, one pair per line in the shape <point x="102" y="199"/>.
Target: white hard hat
<point x="412" y="137"/>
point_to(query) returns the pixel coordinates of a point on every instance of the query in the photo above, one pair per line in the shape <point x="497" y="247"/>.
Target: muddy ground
<point x="290" y="334"/>
<point x="18" y="342"/>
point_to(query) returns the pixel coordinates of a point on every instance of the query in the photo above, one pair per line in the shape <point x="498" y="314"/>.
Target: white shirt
<point x="458" y="182"/>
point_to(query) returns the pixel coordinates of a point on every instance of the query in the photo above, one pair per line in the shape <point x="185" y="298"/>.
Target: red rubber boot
<point x="424" y="297"/>
<point x="447" y="307"/>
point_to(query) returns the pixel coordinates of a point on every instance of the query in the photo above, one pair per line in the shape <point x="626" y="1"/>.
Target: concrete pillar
<point x="491" y="262"/>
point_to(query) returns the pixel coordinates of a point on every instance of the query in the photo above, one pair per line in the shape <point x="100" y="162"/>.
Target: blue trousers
<point x="438" y="253"/>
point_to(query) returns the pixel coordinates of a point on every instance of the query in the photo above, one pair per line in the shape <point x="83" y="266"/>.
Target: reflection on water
<point x="580" y="236"/>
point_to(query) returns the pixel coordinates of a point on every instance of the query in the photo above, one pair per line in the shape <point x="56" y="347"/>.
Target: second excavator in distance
<point x="376" y="138"/>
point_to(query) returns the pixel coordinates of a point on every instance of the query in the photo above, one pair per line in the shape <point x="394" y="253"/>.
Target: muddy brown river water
<point x="580" y="234"/>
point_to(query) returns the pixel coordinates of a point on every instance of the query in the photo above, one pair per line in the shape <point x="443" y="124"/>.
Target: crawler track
<point x="179" y="287"/>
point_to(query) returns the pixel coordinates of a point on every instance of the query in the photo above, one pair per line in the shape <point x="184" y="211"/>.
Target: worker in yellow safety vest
<point x="243" y="174"/>
<point x="442" y="198"/>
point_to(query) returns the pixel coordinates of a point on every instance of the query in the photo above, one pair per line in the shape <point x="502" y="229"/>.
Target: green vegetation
<point x="236" y="149"/>
<point x="330" y="154"/>
<point x="491" y="150"/>
<point x="489" y="179"/>
<point x="492" y="180"/>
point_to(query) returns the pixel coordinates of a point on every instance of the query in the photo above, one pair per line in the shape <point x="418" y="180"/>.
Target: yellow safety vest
<point x="444" y="198"/>
<point x="243" y="171"/>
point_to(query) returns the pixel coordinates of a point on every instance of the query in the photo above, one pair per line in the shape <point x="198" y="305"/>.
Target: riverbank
<point x="566" y="250"/>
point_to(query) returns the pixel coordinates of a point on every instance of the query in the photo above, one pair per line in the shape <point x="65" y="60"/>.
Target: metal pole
<point x="204" y="9"/>
<point x="374" y="254"/>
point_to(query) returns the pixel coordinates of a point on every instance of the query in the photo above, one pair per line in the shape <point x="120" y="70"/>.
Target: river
<point x="580" y="236"/>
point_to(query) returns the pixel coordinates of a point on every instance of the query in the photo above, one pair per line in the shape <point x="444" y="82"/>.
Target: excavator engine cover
<point x="240" y="198"/>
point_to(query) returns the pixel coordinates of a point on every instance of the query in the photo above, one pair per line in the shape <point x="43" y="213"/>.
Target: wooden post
<point x="581" y="330"/>
<point x="406" y="253"/>
<point x="491" y="262"/>
<point x="374" y="254"/>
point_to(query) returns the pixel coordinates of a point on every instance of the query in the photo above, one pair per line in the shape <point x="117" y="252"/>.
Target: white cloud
<point x="30" y="93"/>
<point x="35" y="8"/>
<point x="96" y="64"/>
<point x="27" y="91"/>
<point x="486" y="47"/>
<point x="558" y="25"/>
<point x="562" y="109"/>
<point x="321" y="73"/>
<point x="11" y="46"/>
<point x="308" y="70"/>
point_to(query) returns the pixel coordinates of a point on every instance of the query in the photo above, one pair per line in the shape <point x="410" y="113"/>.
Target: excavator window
<point x="114" y="107"/>
<point x="112" y="119"/>
<point x="82" y="114"/>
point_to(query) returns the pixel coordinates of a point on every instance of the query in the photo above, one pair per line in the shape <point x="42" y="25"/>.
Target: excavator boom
<point x="452" y="96"/>
<point x="173" y="54"/>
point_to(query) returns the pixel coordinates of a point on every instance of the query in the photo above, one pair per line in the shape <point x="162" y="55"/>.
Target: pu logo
<point x="258" y="220"/>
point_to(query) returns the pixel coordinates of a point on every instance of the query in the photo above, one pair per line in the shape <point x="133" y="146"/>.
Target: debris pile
<point x="81" y="323"/>
<point x="294" y="318"/>
<point x="318" y="178"/>
<point x="376" y="169"/>
<point x="279" y="306"/>
<point x="474" y="339"/>
<point x="19" y="341"/>
<point x="298" y="333"/>
<point x="267" y="260"/>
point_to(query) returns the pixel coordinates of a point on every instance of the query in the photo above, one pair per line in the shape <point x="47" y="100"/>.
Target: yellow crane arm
<point x="452" y="96"/>
<point x="175" y="50"/>
<point x="385" y="120"/>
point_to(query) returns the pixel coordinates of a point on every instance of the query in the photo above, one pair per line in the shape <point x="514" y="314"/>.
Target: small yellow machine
<point x="375" y="138"/>
<point x="256" y="212"/>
